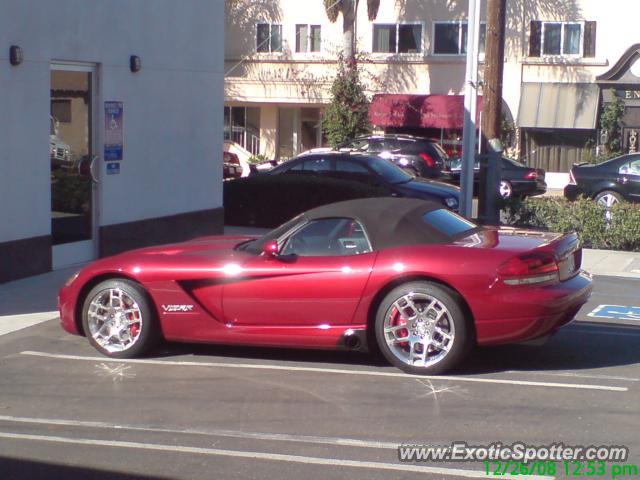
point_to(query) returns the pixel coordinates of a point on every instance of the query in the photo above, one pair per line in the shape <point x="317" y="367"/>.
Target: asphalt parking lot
<point x="196" y="411"/>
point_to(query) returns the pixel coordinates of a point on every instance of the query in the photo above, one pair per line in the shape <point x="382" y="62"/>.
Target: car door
<point x="317" y="279"/>
<point x="629" y="177"/>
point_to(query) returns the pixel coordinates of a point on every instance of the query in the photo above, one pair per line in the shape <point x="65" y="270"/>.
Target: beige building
<point x="280" y="60"/>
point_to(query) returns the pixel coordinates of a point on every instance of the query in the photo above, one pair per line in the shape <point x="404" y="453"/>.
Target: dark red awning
<point x="422" y="111"/>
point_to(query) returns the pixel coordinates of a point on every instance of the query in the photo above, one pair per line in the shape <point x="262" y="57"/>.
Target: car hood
<point x="433" y="187"/>
<point x="211" y="245"/>
<point x="205" y="257"/>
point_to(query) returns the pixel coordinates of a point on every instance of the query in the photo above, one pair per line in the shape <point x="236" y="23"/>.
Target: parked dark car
<point x="424" y="157"/>
<point x="517" y="180"/>
<point x="608" y="182"/>
<point x="372" y="170"/>
<point x="231" y="167"/>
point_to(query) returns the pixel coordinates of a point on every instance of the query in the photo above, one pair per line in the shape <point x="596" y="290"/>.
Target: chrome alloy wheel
<point x="114" y="320"/>
<point x="419" y="329"/>
<point x="608" y="200"/>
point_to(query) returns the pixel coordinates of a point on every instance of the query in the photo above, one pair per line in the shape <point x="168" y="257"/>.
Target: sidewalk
<point x="33" y="300"/>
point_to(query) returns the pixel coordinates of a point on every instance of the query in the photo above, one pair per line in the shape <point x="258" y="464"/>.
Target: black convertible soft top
<point x="388" y="221"/>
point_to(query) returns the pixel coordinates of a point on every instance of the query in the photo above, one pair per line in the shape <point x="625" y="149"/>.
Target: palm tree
<point x="348" y="8"/>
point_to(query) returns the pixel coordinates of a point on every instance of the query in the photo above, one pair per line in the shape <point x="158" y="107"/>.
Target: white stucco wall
<point x="172" y="107"/>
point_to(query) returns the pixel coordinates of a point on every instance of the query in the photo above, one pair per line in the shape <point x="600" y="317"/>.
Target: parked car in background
<point x="517" y="180"/>
<point x="231" y="167"/>
<point x="424" y="157"/>
<point x="59" y="150"/>
<point x="372" y="170"/>
<point x="608" y="183"/>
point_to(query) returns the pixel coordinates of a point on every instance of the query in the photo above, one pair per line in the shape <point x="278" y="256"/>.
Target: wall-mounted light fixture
<point x="15" y="55"/>
<point x="135" y="64"/>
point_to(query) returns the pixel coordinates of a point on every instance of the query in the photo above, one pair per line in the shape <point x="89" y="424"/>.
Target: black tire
<point x="148" y="331"/>
<point x="464" y="333"/>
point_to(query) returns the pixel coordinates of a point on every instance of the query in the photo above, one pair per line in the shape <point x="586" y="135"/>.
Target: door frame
<point x="73" y="253"/>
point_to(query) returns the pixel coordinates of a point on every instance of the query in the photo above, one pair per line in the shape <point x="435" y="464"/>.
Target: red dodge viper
<point x="408" y="277"/>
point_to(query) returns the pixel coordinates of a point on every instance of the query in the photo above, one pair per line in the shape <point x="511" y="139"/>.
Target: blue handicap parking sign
<point x="618" y="312"/>
<point x="113" y="168"/>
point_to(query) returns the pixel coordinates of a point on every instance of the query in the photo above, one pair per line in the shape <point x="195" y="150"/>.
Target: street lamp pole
<point x="470" y="109"/>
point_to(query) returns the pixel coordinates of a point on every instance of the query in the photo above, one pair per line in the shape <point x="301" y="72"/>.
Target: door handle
<point x="94" y="179"/>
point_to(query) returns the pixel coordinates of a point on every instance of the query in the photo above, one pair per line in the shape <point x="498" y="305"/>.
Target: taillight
<point x="531" y="268"/>
<point x="572" y="179"/>
<point x="531" y="175"/>
<point x="428" y="160"/>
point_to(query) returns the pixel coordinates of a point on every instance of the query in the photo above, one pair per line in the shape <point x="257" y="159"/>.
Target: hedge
<point x="270" y="200"/>
<point x="619" y="230"/>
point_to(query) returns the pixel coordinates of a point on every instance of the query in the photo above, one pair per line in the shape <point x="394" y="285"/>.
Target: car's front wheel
<point x="118" y="319"/>
<point x="422" y="328"/>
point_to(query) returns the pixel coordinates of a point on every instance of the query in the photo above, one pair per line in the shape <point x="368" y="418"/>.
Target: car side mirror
<point x="270" y="249"/>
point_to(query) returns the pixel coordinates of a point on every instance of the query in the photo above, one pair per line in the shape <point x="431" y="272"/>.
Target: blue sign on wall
<point x="618" y="312"/>
<point x="113" y="168"/>
<point x="113" y="131"/>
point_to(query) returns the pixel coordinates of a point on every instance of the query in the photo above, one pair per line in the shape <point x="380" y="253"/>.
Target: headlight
<point x="451" y="202"/>
<point x="71" y="279"/>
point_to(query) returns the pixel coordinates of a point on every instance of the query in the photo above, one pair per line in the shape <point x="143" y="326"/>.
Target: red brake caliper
<point x="133" y="329"/>
<point x="399" y="320"/>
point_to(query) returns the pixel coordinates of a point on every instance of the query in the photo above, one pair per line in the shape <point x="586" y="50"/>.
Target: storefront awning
<point x="422" y="111"/>
<point x="558" y="105"/>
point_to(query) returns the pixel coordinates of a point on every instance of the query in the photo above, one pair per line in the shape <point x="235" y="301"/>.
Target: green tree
<point x="349" y="9"/>
<point x="348" y="114"/>
<point x="611" y="123"/>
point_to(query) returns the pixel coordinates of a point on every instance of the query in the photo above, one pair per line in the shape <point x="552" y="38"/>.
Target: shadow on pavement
<point x="34" y="294"/>
<point x="19" y="469"/>
<point x="580" y="346"/>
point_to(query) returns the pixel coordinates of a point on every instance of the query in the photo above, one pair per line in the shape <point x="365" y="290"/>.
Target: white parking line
<point x="328" y="370"/>
<point x="251" y="455"/>
<point x="575" y="375"/>
<point x="13" y="323"/>
<point x="279" y="437"/>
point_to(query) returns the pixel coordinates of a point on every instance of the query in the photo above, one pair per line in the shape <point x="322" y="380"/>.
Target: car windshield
<point x="255" y="246"/>
<point x="615" y="160"/>
<point x="283" y="167"/>
<point x="388" y="171"/>
<point x="448" y="222"/>
<point x="456" y="164"/>
<point x="513" y="162"/>
<point x="440" y="150"/>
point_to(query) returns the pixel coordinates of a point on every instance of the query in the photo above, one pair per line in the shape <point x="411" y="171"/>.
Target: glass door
<point x="73" y="164"/>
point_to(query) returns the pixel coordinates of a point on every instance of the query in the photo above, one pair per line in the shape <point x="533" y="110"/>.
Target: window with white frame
<point x="308" y="38"/>
<point x="553" y="38"/>
<point x="450" y="38"/>
<point x="268" y="37"/>
<point x="397" y="38"/>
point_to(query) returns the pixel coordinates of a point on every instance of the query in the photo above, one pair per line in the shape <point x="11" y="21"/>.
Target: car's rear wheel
<point x="505" y="189"/>
<point x="118" y="319"/>
<point x="608" y="198"/>
<point x="422" y="328"/>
